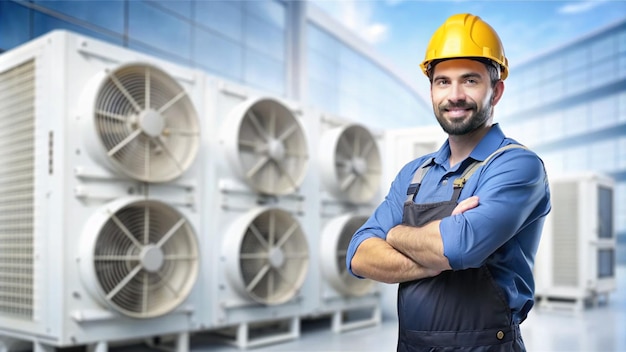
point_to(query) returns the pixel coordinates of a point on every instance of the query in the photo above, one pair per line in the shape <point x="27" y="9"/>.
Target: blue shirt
<point x="503" y="232"/>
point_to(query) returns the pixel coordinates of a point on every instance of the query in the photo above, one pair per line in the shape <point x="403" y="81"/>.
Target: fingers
<point x="465" y="205"/>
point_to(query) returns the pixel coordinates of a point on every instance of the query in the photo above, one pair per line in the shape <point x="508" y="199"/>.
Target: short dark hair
<point x="492" y="67"/>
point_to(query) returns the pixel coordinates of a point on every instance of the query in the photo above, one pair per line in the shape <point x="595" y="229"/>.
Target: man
<point x="464" y="268"/>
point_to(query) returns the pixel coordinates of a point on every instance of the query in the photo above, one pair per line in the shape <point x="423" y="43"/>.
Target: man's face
<point x="462" y="95"/>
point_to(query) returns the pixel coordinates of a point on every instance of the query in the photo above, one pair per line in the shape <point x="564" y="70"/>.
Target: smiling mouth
<point x="457" y="112"/>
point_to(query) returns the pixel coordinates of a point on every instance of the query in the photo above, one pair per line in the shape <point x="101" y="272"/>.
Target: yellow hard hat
<point x="465" y="35"/>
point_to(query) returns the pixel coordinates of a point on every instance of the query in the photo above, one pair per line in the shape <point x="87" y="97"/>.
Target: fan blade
<point x="170" y="233"/>
<point x="290" y="231"/>
<point x="126" y="94"/>
<point x="257" y="125"/>
<point x="257" y="278"/>
<point x="288" y="132"/>
<point x="123" y="143"/>
<point x="368" y="147"/>
<point x="124" y="282"/>
<point x="125" y="230"/>
<point x="116" y="117"/>
<point x="262" y="255"/>
<point x="171" y="102"/>
<point x="348" y="181"/>
<point x="255" y="231"/>
<point x="258" y="166"/>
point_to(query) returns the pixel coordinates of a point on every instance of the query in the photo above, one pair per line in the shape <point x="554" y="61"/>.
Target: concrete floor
<point x="601" y="328"/>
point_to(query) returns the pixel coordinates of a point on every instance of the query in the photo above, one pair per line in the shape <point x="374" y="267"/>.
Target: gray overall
<point x="462" y="310"/>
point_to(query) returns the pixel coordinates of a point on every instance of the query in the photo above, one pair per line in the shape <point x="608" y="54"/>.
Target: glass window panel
<point x="621" y="66"/>
<point x="575" y="120"/>
<point x="576" y="81"/>
<point x="225" y="17"/>
<point x="621" y="41"/>
<point x="602" y="72"/>
<point x="323" y="95"/>
<point x="603" y="156"/>
<point x="552" y="68"/>
<point x="603" y="112"/>
<point x="105" y="14"/>
<point x="575" y="159"/>
<point x="14" y="25"/>
<point x="43" y="24"/>
<point x="553" y="90"/>
<point x="553" y="126"/>
<point x="181" y="7"/>
<point x="265" y="38"/>
<point x="272" y="12"/>
<point x="321" y="41"/>
<point x="321" y="68"/>
<point x="621" y="107"/>
<point x="264" y="72"/>
<point x="553" y="162"/>
<point x="602" y="49"/>
<point x="152" y="51"/>
<point x="171" y="35"/>
<point x="218" y="54"/>
<point x="349" y="82"/>
<point x="621" y="155"/>
<point x="575" y="59"/>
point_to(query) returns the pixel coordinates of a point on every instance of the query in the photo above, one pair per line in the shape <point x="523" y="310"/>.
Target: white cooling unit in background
<point x="405" y="144"/>
<point x="258" y="221"/>
<point x="575" y="264"/>
<point x="99" y="228"/>
<point x="350" y="169"/>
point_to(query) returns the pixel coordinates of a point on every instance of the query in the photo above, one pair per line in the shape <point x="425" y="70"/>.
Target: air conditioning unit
<point x="259" y="215"/>
<point x="350" y="169"/>
<point x="99" y="232"/>
<point x="575" y="263"/>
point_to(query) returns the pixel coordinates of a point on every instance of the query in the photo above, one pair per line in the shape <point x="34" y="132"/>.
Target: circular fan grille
<point x="145" y="259"/>
<point x="272" y="148"/>
<point x="147" y="123"/>
<point x="356" y="164"/>
<point x="337" y="234"/>
<point x="273" y="257"/>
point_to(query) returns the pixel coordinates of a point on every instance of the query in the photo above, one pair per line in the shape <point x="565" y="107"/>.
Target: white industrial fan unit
<point x="406" y="144"/>
<point x="575" y="263"/>
<point x="350" y="169"/>
<point x="259" y="203"/>
<point x="99" y="174"/>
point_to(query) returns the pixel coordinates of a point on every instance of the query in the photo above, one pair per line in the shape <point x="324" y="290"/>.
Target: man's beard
<point x="475" y="121"/>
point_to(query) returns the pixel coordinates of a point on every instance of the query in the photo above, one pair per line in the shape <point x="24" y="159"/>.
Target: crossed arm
<point x="408" y="253"/>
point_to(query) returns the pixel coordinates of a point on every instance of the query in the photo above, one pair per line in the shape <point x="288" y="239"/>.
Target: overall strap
<point x="418" y="176"/>
<point x="460" y="182"/>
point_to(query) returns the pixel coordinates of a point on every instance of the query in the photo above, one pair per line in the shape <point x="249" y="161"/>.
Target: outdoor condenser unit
<point x="575" y="263"/>
<point x="258" y="218"/>
<point x="350" y="169"/>
<point x="99" y="226"/>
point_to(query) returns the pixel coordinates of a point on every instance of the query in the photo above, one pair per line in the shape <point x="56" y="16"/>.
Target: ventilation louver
<point x="350" y="163"/>
<point x="334" y="248"/>
<point x="140" y="257"/>
<point x="145" y="121"/>
<point x="266" y="144"/>
<point x="267" y="255"/>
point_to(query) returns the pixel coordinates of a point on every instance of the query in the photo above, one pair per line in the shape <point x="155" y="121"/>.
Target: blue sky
<point x="400" y="29"/>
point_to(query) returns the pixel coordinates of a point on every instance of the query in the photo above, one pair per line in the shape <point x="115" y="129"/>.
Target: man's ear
<point x="498" y="90"/>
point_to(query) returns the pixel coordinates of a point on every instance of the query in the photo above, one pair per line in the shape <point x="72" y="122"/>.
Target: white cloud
<point x="357" y="16"/>
<point x="581" y="6"/>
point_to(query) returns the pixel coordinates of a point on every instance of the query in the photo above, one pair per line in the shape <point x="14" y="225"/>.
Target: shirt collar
<point x="490" y="142"/>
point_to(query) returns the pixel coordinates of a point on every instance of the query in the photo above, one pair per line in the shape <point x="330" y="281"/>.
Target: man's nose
<point x="456" y="93"/>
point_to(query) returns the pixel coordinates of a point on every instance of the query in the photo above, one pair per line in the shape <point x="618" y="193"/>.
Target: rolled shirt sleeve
<point x="512" y="194"/>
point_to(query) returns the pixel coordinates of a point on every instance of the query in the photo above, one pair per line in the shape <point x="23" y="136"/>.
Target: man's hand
<point x="465" y="205"/>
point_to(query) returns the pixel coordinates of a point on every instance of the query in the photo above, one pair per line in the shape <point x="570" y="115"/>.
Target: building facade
<point x="569" y="105"/>
<point x="286" y="48"/>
